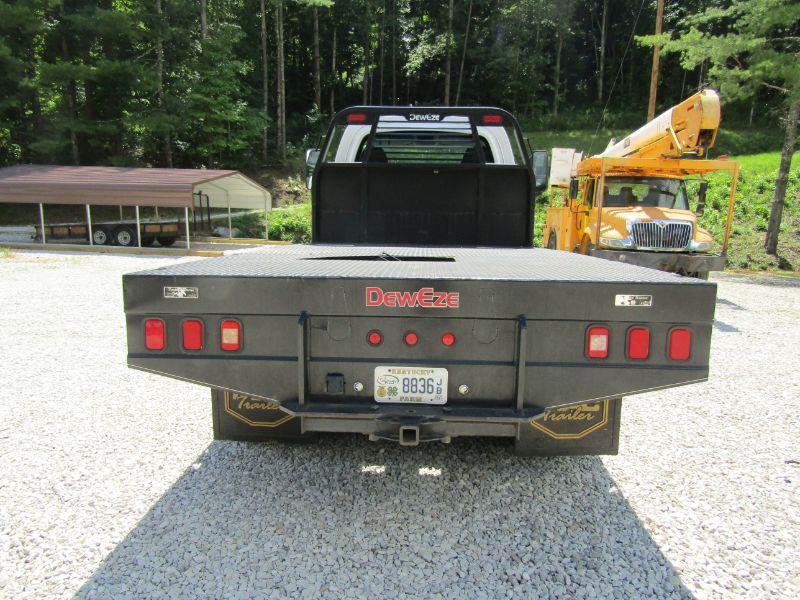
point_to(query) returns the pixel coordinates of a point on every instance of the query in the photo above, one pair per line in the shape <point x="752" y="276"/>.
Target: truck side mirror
<point x="573" y="189"/>
<point x="312" y="156"/>
<point x="701" y="197"/>
<point x="541" y="169"/>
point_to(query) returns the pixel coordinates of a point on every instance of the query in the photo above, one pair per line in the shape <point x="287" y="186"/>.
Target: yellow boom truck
<point x="630" y="203"/>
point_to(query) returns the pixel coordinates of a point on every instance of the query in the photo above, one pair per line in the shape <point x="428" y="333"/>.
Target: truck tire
<point x="148" y="241"/>
<point x="125" y="236"/>
<point x="101" y="236"/>
<point x="552" y="243"/>
<point x="588" y="428"/>
<point x="166" y="241"/>
<point x="243" y="418"/>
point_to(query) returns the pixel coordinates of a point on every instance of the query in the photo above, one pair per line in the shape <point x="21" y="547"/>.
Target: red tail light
<point x="231" y="335"/>
<point x="192" y="330"/>
<point x="492" y="119"/>
<point x="375" y="338"/>
<point x="597" y="342"/>
<point x="411" y="338"/>
<point x="680" y="344"/>
<point x="638" y="343"/>
<point x="357" y="118"/>
<point x="154" y="334"/>
<point x="448" y="339"/>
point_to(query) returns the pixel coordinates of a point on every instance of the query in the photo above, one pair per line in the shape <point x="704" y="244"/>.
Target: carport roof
<point x="49" y="184"/>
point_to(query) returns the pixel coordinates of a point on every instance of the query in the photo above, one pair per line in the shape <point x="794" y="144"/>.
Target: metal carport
<point x="177" y="188"/>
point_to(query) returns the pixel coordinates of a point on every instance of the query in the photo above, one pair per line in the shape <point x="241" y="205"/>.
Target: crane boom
<point x="689" y="127"/>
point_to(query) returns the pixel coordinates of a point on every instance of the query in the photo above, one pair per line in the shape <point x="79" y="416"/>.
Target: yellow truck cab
<point x="630" y="203"/>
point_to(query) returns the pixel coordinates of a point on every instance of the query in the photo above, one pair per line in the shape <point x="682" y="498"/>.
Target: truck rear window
<point x="413" y="147"/>
<point x="451" y="140"/>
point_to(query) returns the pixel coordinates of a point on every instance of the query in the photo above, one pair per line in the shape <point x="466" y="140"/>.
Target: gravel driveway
<point x="110" y="484"/>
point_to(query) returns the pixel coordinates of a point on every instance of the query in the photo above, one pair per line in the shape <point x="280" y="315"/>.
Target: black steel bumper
<point x="584" y="428"/>
<point x="674" y="262"/>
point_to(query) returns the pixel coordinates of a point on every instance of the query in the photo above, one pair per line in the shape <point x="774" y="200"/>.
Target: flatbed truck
<point x="420" y="312"/>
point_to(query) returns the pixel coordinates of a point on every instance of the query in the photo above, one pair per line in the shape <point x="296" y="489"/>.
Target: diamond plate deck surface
<point x="500" y="264"/>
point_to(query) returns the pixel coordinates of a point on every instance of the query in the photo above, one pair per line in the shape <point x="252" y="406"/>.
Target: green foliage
<point x="81" y="82"/>
<point x="219" y="123"/>
<point x="748" y="44"/>
<point x="751" y="213"/>
<point x="9" y="151"/>
<point x="290" y="223"/>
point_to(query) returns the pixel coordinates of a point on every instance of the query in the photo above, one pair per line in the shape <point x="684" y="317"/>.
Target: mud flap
<point x="587" y="428"/>
<point x="240" y="417"/>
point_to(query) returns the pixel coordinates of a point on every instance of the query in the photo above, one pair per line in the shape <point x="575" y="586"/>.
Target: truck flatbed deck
<point x="400" y="262"/>
<point x="333" y="279"/>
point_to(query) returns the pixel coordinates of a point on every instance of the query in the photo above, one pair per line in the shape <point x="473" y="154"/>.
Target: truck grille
<point x="662" y="235"/>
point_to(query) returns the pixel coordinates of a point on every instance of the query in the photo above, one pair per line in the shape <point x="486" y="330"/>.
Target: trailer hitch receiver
<point x="409" y="435"/>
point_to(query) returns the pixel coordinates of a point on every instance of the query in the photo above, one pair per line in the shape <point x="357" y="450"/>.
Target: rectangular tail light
<point x="231" y="335"/>
<point x="638" y="343"/>
<point x="192" y="330"/>
<point x="492" y="120"/>
<point x="597" y="342"/>
<point x="680" y="344"/>
<point x="155" y="337"/>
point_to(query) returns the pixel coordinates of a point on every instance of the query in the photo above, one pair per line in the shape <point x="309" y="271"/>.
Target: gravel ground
<point x="110" y="484"/>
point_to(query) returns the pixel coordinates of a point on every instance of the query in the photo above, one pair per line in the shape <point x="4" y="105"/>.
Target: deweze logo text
<point x="423" y="298"/>
<point x="429" y="117"/>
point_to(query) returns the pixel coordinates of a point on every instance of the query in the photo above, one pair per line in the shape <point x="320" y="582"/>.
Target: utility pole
<point x="651" y="108"/>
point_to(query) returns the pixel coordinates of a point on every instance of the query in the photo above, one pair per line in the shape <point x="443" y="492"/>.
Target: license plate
<point x="411" y="385"/>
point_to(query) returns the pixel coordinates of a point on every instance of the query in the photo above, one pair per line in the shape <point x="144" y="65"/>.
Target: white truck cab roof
<point x="449" y="139"/>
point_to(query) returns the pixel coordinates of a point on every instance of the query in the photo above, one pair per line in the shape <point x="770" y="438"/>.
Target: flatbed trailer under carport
<point x="182" y="189"/>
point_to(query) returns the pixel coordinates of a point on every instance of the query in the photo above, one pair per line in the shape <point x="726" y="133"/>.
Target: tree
<point x="315" y="6"/>
<point x="160" y="82"/>
<point x="281" y="68"/>
<point x="463" y="53"/>
<point x="602" y="24"/>
<point x="265" y="81"/>
<point x="21" y="28"/>
<point x="182" y="82"/>
<point x="747" y="46"/>
<point x="448" y="50"/>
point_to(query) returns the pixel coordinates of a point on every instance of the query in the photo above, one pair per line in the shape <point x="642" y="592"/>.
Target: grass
<point x="289" y="223"/>
<point x="751" y="214"/>
<point x="6" y="253"/>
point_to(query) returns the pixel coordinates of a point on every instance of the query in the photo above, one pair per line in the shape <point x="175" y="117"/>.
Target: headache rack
<point x="424" y="175"/>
